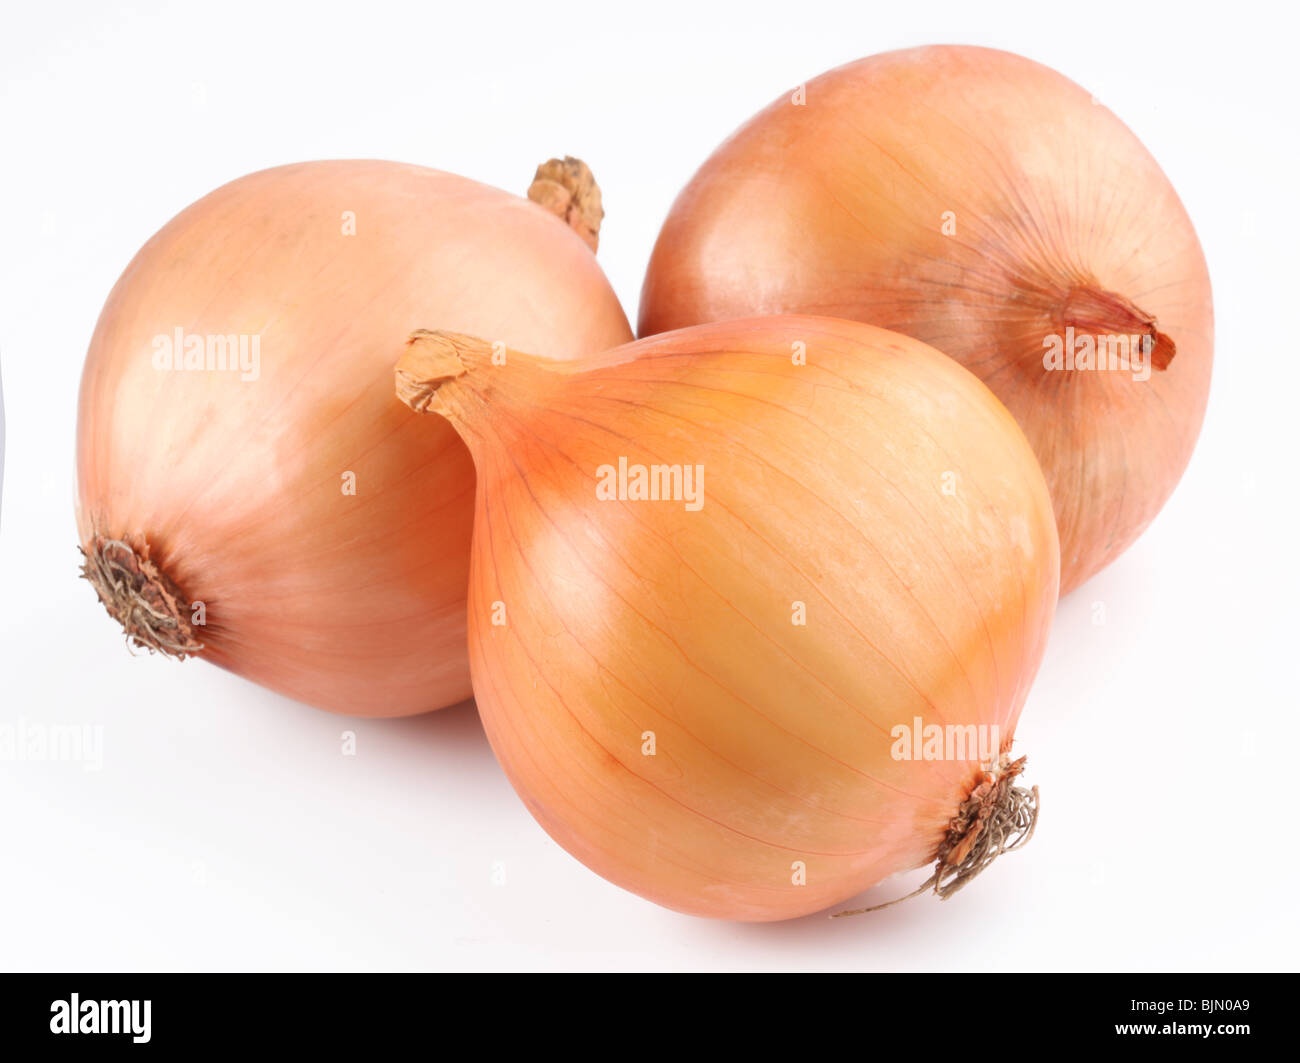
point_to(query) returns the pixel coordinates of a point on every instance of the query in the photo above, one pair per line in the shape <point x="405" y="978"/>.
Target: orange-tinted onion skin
<point x="838" y="207"/>
<point x="353" y="603"/>
<point x="595" y="621"/>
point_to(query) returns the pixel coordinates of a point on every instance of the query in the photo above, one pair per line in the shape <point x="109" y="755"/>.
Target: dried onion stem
<point x="567" y="188"/>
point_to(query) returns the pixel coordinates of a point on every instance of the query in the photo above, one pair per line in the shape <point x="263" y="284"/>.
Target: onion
<point x="284" y="518"/>
<point x="698" y="696"/>
<point x="988" y="206"/>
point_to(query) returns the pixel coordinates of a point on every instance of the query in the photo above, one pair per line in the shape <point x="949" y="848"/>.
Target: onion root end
<point x="996" y="818"/>
<point x="153" y="612"/>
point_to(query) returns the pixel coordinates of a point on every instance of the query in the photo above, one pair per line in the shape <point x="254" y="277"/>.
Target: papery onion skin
<point x="880" y="484"/>
<point x="235" y="488"/>
<point x="839" y="207"/>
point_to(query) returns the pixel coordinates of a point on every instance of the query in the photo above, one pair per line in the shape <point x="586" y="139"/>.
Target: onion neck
<point x="1092" y="310"/>
<point x="140" y="596"/>
<point x="567" y="188"/>
<point x="480" y="387"/>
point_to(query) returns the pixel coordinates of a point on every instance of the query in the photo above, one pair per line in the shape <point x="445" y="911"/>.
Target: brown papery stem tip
<point x="140" y="596"/>
<point x="567" y="188"/>
<point x="1092" y="309"/>
<point x="434" y="358"/>
<point x="996" y="818"/>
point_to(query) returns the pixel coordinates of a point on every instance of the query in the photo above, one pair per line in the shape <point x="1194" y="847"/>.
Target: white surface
<point x="225" y="830"/>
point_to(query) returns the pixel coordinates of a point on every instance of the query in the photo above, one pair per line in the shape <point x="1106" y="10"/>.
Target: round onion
<point x="284" y="518"/>
<point x="988" y="206"/>
<point x="696" y="687"/>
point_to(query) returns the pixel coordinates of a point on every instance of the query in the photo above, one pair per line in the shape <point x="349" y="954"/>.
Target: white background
<point x="226" y="831"/>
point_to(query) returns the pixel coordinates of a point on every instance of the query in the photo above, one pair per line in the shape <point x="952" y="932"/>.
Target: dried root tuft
<point x="139" y="596"/>
<point x="997" y="818"/>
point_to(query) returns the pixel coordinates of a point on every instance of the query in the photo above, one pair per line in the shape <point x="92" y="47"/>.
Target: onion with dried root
<point x="249" y="492"/>
<point x="754" y="607"/>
